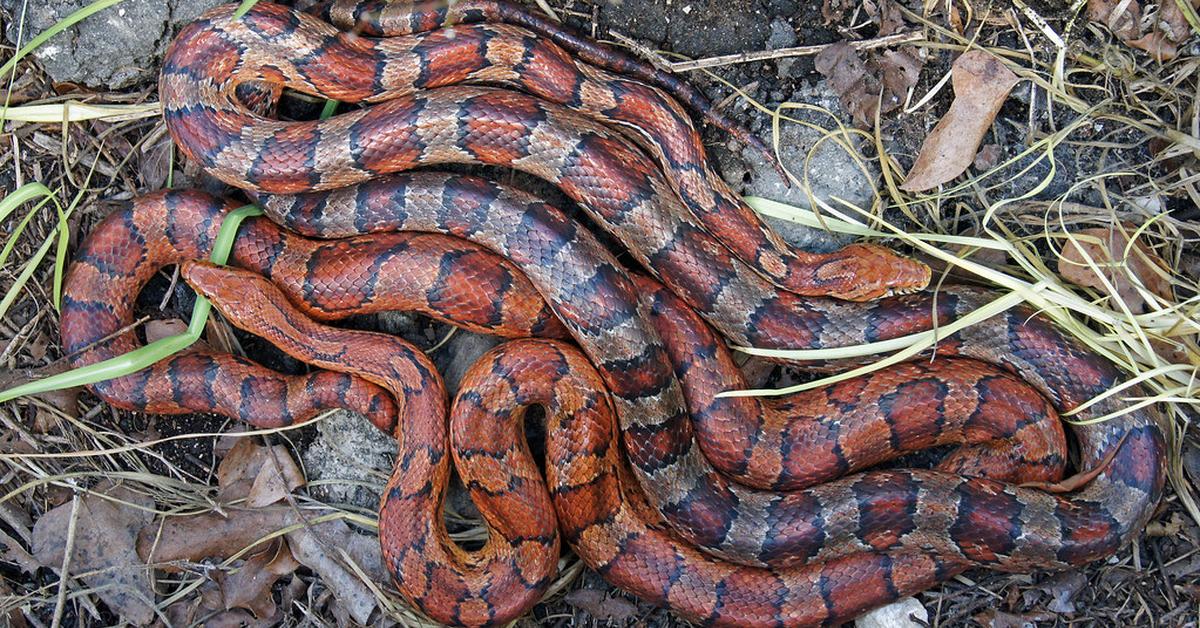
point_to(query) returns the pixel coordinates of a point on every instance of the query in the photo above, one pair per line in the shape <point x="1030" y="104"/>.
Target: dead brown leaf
<point x="879" y="81"/>
<point x="1167" y="30"/>
<point x="899" y="71"/>
<point x="1062" y="590"/>
<point x="320" y="548"/>
<point x="13" y="618"/>
<point x="155" y="162"/>
<point x="1157" y="45"/>
<point x="1106" y="247"/>
<point x="209" y="535"/>
<point x="159" y="328"/>
<point x="104" y="544"/>
<point x="1170" y="528"/>
<point x="841" y="64"/>
<point x="65" y="401"/>
<point x="1171" y="21"/>
<point x="981" y="85"/>
<point x="250" y="586"/>
<point x="1122" y="18"/>
<point x="993" y="618"/>
<point x="613" y="610"/>
<point x="987" y="157"/>
<point x="261" y="475"/>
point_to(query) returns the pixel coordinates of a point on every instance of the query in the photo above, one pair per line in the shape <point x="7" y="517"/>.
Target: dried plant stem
<point x="887" y="41"/>
<point x="63" y="577"/>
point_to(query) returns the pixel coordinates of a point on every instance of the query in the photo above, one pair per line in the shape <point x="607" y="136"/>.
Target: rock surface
<point x="350" y="456"/>
<point x="113" y="49"/>
<point x="811" y="154"/>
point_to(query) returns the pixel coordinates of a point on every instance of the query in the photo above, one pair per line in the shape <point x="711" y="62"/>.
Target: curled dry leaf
<point x="249" y="587"/>
<point x="981" y="84"/>
<point x="320" y="547"/>
<point x="104" y="548"/>
<point x="612" y="610"/>
<point x="864" y="85"/>
<point x="1062" y="590"/>
<point x="159" y="328"/>
<point x="1122" y="17"/>
<point x="1107" y="249"/>
<point x="261" y="475"/>
<point x="1170" y="528"/>
<point x="1159" y="37"/>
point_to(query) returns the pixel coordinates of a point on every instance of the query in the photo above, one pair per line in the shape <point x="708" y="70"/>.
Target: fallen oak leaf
<point x="981" y="85"/>
<point x="103" y="548"/>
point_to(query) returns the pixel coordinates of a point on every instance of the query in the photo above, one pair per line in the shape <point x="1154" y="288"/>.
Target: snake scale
<point x="731" y="511"/>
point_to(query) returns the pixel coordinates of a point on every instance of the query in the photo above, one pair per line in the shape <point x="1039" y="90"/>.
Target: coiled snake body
<point x="725" y="509"/>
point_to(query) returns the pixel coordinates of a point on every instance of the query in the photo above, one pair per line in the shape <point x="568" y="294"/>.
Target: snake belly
<point x="808" y="555"/>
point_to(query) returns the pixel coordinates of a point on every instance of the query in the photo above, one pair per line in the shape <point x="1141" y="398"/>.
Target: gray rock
<point x="458" y="354"/>
<point x="112" y="49"/>
<point x="782" y="35"/>
<point x="351" y="455"/>
<point x="831" y="171"/>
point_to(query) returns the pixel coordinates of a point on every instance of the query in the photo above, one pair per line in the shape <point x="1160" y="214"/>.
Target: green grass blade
<point x="330" y="108"/>
<point x="244" y="8"/>
<point x="17" y="198"/>
<point x="142" y="357"/>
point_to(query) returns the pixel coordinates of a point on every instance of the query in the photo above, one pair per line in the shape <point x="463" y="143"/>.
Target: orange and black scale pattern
<point x="583" y="283"/>
<point x="415" y="121"/>
<point x="641" y="478"/>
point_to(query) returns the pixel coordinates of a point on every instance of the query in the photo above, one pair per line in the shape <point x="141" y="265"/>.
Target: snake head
<point x="862" y="272"/>
<point x="236" y="293"/>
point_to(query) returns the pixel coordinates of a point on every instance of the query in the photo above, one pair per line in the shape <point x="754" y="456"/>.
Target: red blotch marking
<point x="548" y="73"/>
<point x="386" y="136"/>
<point x="849" y="392"/>
<point x="638" y="377"/>
<point x="343" y="73"/>
<point x="987" y="529"/>
<point x="761" y="608"/>
<point x="450" y="56"/>
<point x="471" y="288"/>
<point x="610" y="174"/>
<point x="856" y="583"/>
<point x="654" y="446"/>
<point x="783" y="323"/>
